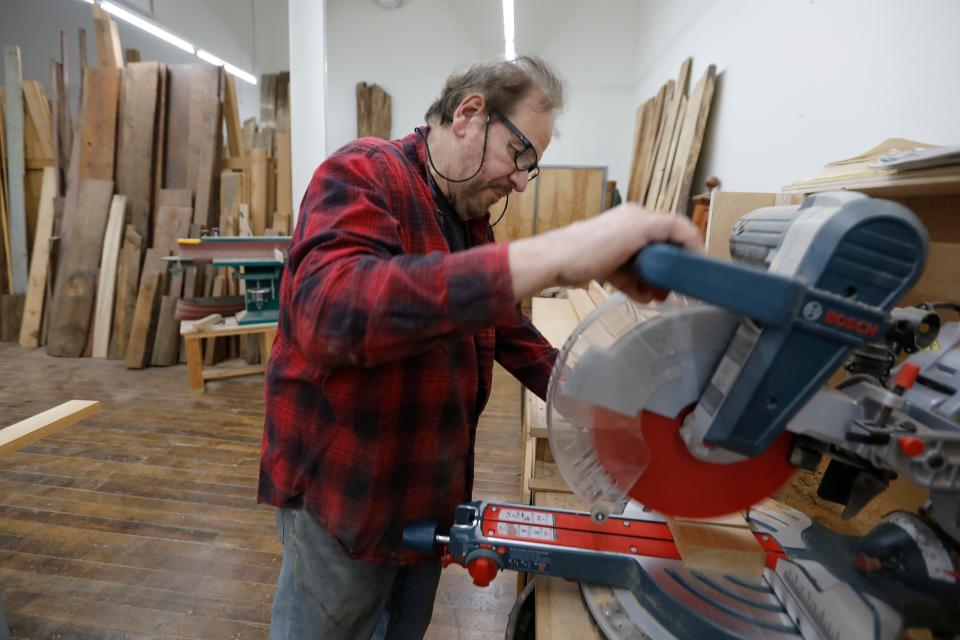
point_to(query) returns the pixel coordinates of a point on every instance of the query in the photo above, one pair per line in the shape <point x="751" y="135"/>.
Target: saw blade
<point x="623" y="383"/>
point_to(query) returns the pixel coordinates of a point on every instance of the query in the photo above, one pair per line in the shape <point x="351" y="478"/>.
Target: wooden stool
<point x="192" y="340"/>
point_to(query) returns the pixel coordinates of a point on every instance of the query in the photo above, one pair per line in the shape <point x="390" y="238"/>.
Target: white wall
<point x="250" y="34"/>
<point x="411" y="50"/>
<point x="804" y="82"/>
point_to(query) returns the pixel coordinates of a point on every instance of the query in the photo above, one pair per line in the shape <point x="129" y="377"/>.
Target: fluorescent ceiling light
<point x="229" y="68"/>
<point x="240" y="73"/>
<point x="509" y="48"/>
<point x="209" y="57"/>
<point x="149" y="27"/>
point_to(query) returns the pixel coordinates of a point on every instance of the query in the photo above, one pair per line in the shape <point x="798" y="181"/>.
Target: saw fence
<point x="90" y="206"/>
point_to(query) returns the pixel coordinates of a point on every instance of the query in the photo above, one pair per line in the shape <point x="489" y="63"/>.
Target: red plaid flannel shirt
<point x="384" y="353"/>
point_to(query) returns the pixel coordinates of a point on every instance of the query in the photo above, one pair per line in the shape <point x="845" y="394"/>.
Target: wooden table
<point x="192" y="340"/>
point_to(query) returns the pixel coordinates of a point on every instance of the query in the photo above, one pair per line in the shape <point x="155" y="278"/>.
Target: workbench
<point x="193" y="340"/>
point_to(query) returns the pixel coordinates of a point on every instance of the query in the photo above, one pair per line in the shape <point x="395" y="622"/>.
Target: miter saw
<point x="704" y="405"/>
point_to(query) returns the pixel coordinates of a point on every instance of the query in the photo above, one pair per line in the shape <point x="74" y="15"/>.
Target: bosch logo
<point x="849" y="323"/>
<point x="812" y="311"/>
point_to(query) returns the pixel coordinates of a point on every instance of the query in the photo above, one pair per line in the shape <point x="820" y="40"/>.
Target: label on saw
<point x="526" y="517"/>
<point x="530" y="532"/>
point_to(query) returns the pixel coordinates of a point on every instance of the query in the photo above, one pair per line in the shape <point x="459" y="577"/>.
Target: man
<point x="394" y="304"/>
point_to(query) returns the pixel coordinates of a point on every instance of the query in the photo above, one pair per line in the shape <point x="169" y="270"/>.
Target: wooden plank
<point x="167" y="340"/>
<point x="109" y="51"/>
<point x="664" y="198"/>
<point x="73" y="299"/>
<point x="268" y="99"/>
<point x="205" y="142"/>
<point x="98" y="127"/>
<point x="643" y="122"/>
<point x="143" y="328"/>
<point x="560" y="613"/>
<point x="230" y="193"/>
<point x="282" y="114"/>
<point x="172" y="223"/>
<point x="6" y="272"/>
<point x="726" y="207"/>
<point x="16" y="212"/>
<point x="666" y="140"/>
<point x="159" y="143"/>
<point x="135" y="152"/>
<point x="39" y="263"/>
<point x="132" y="55"/>
<point x="106" y="286"/>
<point x="11" y="314"/>
<point x="664" y="99"/>
<point x="176" y="163"/>
<point x="597" y="293"/>
<point x="726" y="546"/>
<point x="581" y="302"/>
<point x="128" y="277"/>
<point x="176" y="198"/>
<point x="691" y="139"/>
<point x="236" y="145"/>
<point x="373" y="111"/>
<point x="284" y="214"/>
<point x="40" y="122"/>
<point x="43" y="424"/>
<point x="62" y="125"/>
<point x="259" y="185"/>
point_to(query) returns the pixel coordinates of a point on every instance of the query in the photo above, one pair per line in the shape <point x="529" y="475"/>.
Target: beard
<point x="475" y="200"/>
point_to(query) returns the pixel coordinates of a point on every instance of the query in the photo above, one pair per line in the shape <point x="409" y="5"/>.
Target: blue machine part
<point x="839" y="269"/>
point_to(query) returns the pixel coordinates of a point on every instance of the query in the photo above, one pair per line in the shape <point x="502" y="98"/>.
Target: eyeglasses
<point x="526" y="158"/>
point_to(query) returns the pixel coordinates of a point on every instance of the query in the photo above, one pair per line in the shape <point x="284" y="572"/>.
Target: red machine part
<point x="675" y="482"/>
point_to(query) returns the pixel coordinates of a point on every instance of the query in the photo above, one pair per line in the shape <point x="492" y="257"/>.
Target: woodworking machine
<point x="706" y="403"/>
<point x="259" y="261"/>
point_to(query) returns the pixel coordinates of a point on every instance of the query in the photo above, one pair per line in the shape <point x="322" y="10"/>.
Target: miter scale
<point x="704" y="405"/>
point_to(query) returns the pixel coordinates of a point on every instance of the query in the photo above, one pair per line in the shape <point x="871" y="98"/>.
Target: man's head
<point x="499" y="114"/>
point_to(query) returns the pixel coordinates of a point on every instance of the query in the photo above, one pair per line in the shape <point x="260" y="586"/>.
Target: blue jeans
<point x="323" y="593"/>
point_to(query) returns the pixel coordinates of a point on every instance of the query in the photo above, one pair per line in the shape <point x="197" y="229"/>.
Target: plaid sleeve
<point x="357" y="298"/>
<point x="525" y="353"/>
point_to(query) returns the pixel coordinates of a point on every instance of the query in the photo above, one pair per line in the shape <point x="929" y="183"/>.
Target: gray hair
<point x="503" y="83"/>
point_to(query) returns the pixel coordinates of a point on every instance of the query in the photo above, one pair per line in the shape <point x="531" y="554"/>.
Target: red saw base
<point x="676" y="483"/>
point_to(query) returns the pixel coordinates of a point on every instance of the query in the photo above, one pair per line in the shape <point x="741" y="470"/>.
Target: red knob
<point x="907" y="376"/>
<point x="483" y="570"/>
<point x="911" y="446"/>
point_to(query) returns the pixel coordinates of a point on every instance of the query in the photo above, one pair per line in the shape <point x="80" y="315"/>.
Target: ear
<point x="471" y="111"/>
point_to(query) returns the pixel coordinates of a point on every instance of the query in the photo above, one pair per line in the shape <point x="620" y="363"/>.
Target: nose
<point x="519" y="180"/>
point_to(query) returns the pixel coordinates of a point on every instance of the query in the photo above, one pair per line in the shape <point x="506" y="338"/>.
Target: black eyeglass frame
<point x="534" y="169"/>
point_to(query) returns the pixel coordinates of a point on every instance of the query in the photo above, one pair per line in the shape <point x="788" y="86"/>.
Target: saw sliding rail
<point x="488" y="537"/>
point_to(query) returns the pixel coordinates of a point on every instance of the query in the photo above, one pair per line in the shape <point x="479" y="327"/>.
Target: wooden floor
<point x="141" y="521"/>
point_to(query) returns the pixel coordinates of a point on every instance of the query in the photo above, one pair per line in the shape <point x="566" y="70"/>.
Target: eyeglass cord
<point x="483" y="157"/>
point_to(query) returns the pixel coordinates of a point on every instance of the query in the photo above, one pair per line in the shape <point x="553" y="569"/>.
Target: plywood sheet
<point x="567" y="194"/>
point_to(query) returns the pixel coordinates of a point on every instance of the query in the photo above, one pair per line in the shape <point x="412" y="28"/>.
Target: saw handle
<point x="765" y="297"/>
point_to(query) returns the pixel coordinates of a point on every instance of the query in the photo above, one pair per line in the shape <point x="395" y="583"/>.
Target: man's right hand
<point x="596" y="249"/>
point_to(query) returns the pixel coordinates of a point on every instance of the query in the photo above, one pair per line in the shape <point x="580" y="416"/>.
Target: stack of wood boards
<point x="91" y="206"/>
<point x="667" y="140"/>
<point x="559" y="196"/>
